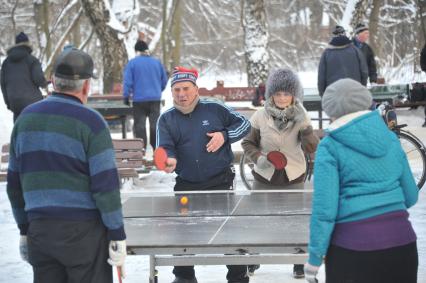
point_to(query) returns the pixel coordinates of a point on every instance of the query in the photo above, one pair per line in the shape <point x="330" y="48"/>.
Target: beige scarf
<point x="187" y="109"/>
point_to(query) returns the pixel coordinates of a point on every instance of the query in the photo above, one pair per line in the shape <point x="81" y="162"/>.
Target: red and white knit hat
<point x="182" y="74"/>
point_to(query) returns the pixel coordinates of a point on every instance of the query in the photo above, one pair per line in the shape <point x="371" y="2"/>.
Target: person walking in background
<point x="341" y="60"/>
<point x="282" y="125"/>
<point x="144" y="80"/>
<point x="197" y="136"/>
<point x="259" y="98"/>
<point x="21" y="76"/>
<point x="362" y="34"/>
<point x="363" y="187"/>
<point x="62" y="182"/>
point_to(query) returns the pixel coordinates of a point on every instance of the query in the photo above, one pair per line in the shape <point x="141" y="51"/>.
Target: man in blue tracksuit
<point x="144" y="80"/>
<point x="197" y="136"/>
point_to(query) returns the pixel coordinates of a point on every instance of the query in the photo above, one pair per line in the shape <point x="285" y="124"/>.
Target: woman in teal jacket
<point x="363" y="187"/>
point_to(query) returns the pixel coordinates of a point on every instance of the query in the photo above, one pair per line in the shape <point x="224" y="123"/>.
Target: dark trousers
<point x="223" y="181"/>
<point x="393" y="265"/>
<point x="68" y="251"/>
<point x="141" y="110"/>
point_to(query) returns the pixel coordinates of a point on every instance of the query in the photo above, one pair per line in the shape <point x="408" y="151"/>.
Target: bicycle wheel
<point x="416" y="155"/>
<point x="246" y="166"/>
<point x="245" y="171"/>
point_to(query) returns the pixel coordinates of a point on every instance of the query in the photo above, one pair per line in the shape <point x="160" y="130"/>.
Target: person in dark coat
<point x="259" y="98"/>
<point x="423" y="67"/>
<point x="360" y="40"/>
<point x="21" y="76"/>
<point x="341" y="59"/>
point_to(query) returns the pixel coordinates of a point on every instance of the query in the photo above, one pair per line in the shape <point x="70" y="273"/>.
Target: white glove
<point x="311" y="272"/>
<point x="263" y="162"/>
<point x="117" y="253"/>
<point x="23" y="247"/>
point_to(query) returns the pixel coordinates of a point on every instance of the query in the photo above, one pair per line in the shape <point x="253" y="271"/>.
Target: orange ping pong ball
<point x="184" y="200"/>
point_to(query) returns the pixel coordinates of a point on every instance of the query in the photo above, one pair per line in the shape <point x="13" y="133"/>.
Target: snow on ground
<point x="13" y="269"/>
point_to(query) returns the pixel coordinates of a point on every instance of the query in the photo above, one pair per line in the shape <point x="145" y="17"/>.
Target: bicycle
<point x="412" y="146"/>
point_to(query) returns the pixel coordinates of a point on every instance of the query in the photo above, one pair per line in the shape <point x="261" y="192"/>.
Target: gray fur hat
<point x="345" y="96"/>
<point x="284" y="80"/>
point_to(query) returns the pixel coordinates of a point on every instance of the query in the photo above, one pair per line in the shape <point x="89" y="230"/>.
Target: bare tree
<point x="373" y="26"/>
<point x="170" y="34"/>
<point x="114" y="54"/>
<point x="256" y="36"/>
<point x="359" y="12"/>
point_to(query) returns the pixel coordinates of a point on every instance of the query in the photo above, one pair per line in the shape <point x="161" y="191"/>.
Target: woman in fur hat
<point x="282" y="125"/>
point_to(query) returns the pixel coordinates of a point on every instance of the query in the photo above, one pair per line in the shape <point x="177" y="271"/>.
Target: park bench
<point x="129" y="158"/>
<point x="4" y="162"/>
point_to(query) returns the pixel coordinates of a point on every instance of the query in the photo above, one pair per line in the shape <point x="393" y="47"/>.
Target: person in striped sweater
<point x="63" y="184"/>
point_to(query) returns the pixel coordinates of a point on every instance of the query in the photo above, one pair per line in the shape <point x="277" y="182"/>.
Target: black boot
<point x="252" y="268"/>
<point x="183" y="280"/>
<point x="298" y="271"/>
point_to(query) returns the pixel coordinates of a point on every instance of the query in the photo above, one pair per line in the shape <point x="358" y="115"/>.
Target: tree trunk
<point x="176" y="36"/>
<point x="421" y="8"/>
<point x="114" y="54"/>
<point x="315" y="19"/>
<point x="76" y="31"/>
<point x="256" y="37"/>
<point x="46" y="30"/>
<point x="373" y="27"/>
<point x="359" y="12"/>
<point x="170" y="34"/>
<point x="38" y="18"/>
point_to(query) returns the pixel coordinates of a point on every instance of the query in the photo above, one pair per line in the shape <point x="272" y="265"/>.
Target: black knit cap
<point x="74" y="64"/>
<point x="21" y="37"/>
<point x="338" y="30"/>
<point x="141" y="46"/>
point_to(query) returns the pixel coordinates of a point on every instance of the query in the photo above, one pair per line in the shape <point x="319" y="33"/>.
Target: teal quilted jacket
<point x="361" y="171"/>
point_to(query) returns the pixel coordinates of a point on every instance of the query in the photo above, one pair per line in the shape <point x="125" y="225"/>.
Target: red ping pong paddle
<point x="160" y="158"/>
<point x="278" y="159"/>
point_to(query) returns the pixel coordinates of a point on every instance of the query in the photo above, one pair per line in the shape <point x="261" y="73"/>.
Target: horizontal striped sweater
<point x="62" y="166"/>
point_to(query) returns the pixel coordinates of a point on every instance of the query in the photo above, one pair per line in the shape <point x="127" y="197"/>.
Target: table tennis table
<point x="219" y="227"/>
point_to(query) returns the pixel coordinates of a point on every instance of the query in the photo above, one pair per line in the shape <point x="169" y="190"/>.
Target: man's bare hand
<point x="217" y="140"/>
<point x="170" y="165"/>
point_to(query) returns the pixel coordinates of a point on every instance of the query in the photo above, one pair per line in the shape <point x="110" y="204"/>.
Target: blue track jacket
<point x="144" y="79"/>
<point x="185" y="138"/>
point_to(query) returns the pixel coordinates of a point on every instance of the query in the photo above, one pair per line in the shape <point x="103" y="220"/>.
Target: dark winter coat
<point x="423" y="59"/>
<point x="21" y="78"/>
<point x="341" y="60"/>
<point x="369" y="57"/>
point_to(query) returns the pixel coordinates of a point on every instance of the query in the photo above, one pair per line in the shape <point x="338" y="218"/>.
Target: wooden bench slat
<point x="5" y="158"/>
<point x="5" y="148"/>
<point x="119" y="155"/>
<point x="130" y="164"/>
<point x="128" y="144"/>
<point x="127" y="173"/>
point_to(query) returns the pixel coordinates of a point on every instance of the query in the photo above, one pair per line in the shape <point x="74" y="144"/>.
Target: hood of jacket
<point x="18" y="52"/>
<point x="339" y="41"/>
<point x="366" y="134"/>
